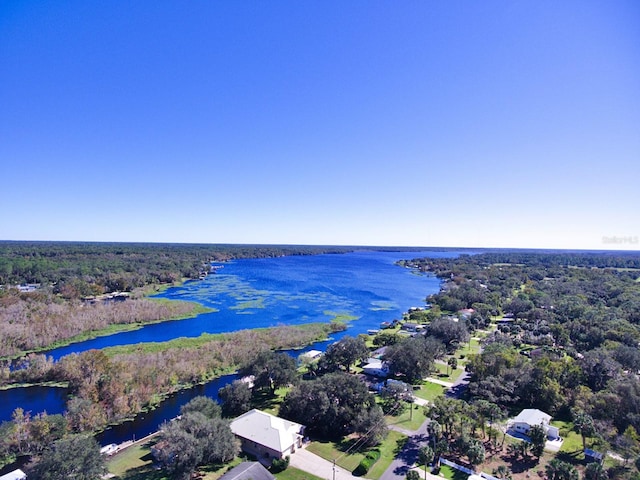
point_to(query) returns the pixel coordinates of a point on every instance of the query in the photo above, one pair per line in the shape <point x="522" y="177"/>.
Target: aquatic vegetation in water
<point x="343" y="317"/>
<point x="381" y="305"/>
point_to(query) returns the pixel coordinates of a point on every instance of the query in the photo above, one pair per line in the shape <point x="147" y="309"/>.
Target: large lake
<point x="255" y="293"/>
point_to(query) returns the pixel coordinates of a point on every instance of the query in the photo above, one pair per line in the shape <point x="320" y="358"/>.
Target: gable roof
<point x="15" y="475"/>
<point x="268" y="430"/>
<point x="248" y="471"/>
<point x="374" y="363"/>
<point x="532" y="416"/>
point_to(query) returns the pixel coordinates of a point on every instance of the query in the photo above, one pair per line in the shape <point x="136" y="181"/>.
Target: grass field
<point x="429" y="391"/>
<point x="572" y="441"/>
<point x="136" y="463"/>
<point x="452" y="474"/>
<point x="337" y="450"/>
<point x="292" y="473"/>
<point x="445" y="373"/>
<point x="266" y="402"/>
<point x="388" y="451"/>
<point x="410" y="419"/>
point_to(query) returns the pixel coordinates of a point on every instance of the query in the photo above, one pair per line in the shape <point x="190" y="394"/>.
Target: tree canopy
<point x="75" y="456"/>
<point x="330" y="406"/>
<point x="413" y="357"/>
<point x="194" y="440"/>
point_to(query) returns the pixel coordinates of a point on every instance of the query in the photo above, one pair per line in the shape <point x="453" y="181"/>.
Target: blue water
<point x="266" y="292"/>
<point x="257" y="293"/>
<point x="34" y="399"/>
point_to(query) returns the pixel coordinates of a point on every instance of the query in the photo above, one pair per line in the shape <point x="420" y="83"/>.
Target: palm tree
<point x="502" y="472"/>
<point x="595" y="471"/>
<point x="425" y="456"/>
<point x="559" y="470"/>
<point x="583" y="423"/>
<point x="453" y="363"/>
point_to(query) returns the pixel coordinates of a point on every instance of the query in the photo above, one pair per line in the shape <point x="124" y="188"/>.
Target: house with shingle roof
<point x="266" y="436"/>
<point x="529" y="417"/>
<point x="248" y="471"/>
<point x="15" y="475"/>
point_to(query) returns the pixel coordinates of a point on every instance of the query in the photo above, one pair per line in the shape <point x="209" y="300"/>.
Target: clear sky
<point x="431" y="123"/>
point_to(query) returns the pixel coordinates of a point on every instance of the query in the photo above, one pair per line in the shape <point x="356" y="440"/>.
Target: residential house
<point x="412" y="327"/>
<point x="248" y="471"/>
<point x="15" y="475"/>
<point x="266" y="436"/>
<point x="311" y="354"/>
<point x="529" y="417"/>
<point x="376" y="368"/>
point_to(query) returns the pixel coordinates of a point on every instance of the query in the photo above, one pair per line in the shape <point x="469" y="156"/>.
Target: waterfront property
<point x="266" y="436"/>
<point x="376" y="368"/>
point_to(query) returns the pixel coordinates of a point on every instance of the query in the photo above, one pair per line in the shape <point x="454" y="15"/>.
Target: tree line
<point x="88" y="268"/>
<point x="568" y="330"/>
<point x="111" y="385"/>
<point x="35" y="321"/>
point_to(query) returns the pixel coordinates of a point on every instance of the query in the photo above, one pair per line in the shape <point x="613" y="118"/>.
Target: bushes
<point x="367" y="462"/>
<point x="279" y="464"/>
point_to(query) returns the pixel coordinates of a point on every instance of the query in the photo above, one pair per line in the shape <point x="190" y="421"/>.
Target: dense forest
<point x="556" y="331"/>
<point x="77" y="269"/>
<point x="70" y="279"/>
<point x="34" y="321"/>
<point x="113" y="384"/>
<point x="567" y="336"/>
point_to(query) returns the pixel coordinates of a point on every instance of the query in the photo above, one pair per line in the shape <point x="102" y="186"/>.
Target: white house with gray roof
<point x="529" y="417"/>
<point x="267" y="436"/>
<point x="15" y="475"/>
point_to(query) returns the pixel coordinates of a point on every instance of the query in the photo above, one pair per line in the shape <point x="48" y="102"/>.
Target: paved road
<point x="459" y="386"/>
<point x="404" y="461"/>
<point x="318" y="466"/>
<point x="408" y="456"/>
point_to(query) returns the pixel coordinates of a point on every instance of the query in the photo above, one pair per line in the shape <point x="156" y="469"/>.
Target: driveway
<point x="459" y="386"/>
<point x="408" y="456"/>
<point x="318" y="466"/>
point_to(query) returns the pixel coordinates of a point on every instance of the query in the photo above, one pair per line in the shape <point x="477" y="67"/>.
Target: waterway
<point x="365" y="286"/>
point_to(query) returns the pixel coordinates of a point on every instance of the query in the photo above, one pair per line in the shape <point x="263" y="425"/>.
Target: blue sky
<point x="430" y="123"/>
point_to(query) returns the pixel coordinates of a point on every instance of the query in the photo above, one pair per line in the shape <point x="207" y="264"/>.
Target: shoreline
<point x="115" y="328"/>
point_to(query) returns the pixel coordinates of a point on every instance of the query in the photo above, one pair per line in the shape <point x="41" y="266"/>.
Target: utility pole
<point x="334" y="469"/>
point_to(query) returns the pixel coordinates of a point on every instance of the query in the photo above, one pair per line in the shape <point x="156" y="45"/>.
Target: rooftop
<point x="248" y="471"/>
<point x="268" y="430"/>
<point x="532" y="416"/>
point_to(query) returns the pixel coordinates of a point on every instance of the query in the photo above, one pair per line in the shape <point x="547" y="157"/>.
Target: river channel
<point x="254" y="293"/>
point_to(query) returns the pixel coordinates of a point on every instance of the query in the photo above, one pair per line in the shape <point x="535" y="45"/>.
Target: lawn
<point x="136" y="458"/>
<point x="136" y="463"/>
<point x="410" y="419"/>
<point x="444" y="372"/>
<point x="429" y="391"/>
<point x="292" y="473"/>
<point x="336" y="450"/>
<point x="388" y="451"/>
<point x="452" y="474"/>
<point x="472" y="347"/>
<point x="572" y="441"/>
<point x="263" y="400"/>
